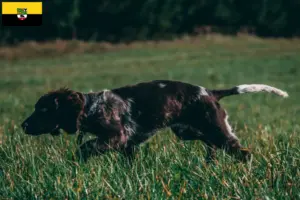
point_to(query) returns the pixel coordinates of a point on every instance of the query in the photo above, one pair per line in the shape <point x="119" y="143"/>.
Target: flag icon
<point x="22" y="13"/>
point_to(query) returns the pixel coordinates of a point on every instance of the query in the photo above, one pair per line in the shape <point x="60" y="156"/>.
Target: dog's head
<point x="60" y="109"/>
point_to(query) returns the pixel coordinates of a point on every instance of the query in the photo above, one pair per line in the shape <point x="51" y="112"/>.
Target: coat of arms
<point x="22" y="13"/>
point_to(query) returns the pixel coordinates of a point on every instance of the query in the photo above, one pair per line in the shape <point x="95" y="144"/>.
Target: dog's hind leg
<point x="215" y="129"/>
<point x="187" y="132"/>
<point x="219" y="133"/>
<point x="231" y="142"/>
<point x="232" y="146"/>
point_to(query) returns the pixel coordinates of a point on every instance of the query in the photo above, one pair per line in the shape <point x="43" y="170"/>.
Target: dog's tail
<point x="240" y="89"/>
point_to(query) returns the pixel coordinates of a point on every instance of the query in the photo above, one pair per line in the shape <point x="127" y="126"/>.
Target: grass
<point x="165" y="168"/>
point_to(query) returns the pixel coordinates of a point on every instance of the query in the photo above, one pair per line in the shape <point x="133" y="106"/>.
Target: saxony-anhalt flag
<point x="22" y="13"/>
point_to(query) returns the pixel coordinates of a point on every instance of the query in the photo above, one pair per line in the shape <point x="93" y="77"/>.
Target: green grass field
<point x="165" y="168"/>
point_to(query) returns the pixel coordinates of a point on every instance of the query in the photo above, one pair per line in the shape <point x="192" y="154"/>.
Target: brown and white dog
<point x="125" y="117"/>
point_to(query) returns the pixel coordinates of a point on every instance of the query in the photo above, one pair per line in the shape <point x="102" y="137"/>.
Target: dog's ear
<point x="69" y="106"/>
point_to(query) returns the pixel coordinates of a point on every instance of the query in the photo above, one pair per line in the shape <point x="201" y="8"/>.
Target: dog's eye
<point x="44" y="110"/>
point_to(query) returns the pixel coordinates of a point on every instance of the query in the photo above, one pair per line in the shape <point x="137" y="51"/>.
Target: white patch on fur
<point x="102" y="99"/>
<point x="130" y="100"/>
<point x="162" y="85"/>
<point x="129" y="130"/>
<point x="202" y="91"/>
<point x="260" y="88"/>
<point x="130" y="127"/>
<point x="228" y="127"/>
<point x="93" y="108"/>
<point x="104" y="94"/>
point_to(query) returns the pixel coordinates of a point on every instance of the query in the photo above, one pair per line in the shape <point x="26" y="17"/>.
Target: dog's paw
<point x="244" y="155"/>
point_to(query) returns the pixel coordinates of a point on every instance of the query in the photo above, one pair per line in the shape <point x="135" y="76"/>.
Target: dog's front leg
<point x="92" y="148"/>
<point x="100" y="145"/>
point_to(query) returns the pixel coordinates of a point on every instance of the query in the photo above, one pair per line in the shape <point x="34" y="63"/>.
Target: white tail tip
<point x="261" y="88"/>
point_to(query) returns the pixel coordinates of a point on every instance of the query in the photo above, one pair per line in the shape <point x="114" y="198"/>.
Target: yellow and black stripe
<point x="32" y="18"/>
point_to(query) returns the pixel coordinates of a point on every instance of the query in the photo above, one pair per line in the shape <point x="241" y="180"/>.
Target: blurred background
<point x="127" y="20"/>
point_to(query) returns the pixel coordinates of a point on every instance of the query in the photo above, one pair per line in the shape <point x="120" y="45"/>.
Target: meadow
<point x="44" y="167"/>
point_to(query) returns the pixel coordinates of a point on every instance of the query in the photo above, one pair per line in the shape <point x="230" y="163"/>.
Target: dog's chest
<point x="104" y="116"/>
<point x="93" y="118"/>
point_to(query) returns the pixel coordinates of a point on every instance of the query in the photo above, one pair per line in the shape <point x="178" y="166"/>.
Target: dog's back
<point x="159" y="103"/>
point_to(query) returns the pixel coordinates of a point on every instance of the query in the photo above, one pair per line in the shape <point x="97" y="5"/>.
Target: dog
<point x="125" y="117"/>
